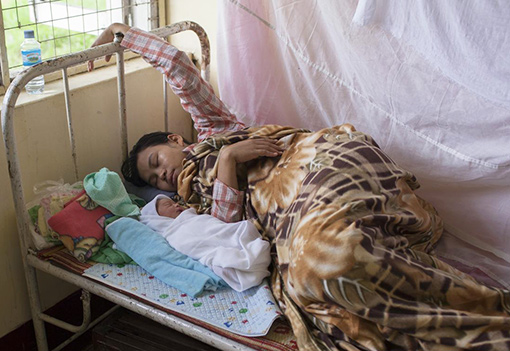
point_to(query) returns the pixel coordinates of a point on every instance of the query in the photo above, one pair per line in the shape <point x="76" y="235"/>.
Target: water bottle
<point x="31" y="54"/>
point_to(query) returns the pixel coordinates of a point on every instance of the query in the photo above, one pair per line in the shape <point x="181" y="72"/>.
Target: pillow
<point x="51" y="197"/>
<point x="80" y="226"/>
<point x="146" y="192"/>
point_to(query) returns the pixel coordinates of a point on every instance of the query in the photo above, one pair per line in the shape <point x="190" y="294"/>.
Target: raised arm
<point x="208" y="112"/>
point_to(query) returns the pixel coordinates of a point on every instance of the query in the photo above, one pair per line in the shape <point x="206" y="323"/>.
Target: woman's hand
<point x="251" y="149"/>
<point x="241" y="152"/>
<point x="107" y="37"/>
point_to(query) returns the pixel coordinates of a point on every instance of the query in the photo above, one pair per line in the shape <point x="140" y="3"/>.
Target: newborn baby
<point x="234" y="251"/>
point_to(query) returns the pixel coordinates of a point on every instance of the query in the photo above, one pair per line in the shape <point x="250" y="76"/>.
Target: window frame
<point x="156" y="18"/>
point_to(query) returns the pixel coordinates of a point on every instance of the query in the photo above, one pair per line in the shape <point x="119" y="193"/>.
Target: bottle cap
<point x="29" y="34"/>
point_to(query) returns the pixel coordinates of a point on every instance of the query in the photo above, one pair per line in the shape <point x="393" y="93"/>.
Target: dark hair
<point x="128" y="169"/>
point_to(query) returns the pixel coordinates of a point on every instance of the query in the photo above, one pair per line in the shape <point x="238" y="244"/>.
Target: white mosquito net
<point x="429" y="80"/>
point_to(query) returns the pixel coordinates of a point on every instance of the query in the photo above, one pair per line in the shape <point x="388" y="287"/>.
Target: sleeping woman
<point x="351" y="241"/>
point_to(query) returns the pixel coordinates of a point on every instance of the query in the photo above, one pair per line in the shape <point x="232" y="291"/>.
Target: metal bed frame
<point x="30" y="261"/>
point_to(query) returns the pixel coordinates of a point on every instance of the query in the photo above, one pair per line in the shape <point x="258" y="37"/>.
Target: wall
<point x="202" y="12"/>
<point x="45" y="153"/>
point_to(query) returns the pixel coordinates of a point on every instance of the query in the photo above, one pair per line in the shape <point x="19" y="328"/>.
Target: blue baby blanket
<point x="153" y="253"/>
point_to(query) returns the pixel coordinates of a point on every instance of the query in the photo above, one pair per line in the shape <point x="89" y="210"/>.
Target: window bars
<point x="66" y="26"/>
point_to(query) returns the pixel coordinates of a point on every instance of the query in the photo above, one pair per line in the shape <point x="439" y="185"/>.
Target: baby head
<point x="166" y="207"/>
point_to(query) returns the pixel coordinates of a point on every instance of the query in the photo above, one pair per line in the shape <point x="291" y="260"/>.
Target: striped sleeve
<point x="208" y="112"/>
<point x="227" y="202"/>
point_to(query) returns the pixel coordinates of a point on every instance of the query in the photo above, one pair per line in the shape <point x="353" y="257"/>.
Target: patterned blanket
<point x="352" y="245"/>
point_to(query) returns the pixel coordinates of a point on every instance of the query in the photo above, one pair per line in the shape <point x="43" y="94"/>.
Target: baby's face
<point x="168" y="208"/>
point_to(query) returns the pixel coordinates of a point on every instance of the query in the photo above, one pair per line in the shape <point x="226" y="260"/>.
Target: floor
<point x="83" y="343"/>
<point x="122" y="330"/>
<point x="126" y="330"/>
<point x="71" y="311"/>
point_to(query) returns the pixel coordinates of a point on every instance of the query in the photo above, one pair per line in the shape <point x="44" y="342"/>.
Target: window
<point x="65" y="26"/>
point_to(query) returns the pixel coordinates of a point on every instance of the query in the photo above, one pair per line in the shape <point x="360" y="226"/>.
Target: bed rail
<point x="30" y="262"/>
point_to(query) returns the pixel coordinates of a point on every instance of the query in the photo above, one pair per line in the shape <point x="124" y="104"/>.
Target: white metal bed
<point x="29" y="256"/>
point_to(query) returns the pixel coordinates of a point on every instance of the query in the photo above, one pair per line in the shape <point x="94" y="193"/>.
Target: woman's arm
<point x="197" y="97"/>
<point x="227" y="198"/>
<point x="227" y="202"/>
<point x="242" y="152"/>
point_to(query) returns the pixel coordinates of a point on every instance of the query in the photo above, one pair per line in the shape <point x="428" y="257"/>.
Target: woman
<point x="157" y="158"/>
<point x="351" y="240"/>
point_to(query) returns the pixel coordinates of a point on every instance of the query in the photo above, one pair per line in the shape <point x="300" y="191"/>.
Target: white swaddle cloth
<point x="234" y="251"/>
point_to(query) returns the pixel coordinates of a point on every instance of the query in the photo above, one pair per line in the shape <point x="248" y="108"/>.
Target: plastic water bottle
<point x="31" y="54"/>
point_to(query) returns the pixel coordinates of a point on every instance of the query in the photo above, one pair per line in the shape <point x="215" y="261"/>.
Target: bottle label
<point x="31" y="57"/>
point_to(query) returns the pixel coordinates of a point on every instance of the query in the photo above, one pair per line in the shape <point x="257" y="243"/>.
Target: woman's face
<point x="160" y="165"/>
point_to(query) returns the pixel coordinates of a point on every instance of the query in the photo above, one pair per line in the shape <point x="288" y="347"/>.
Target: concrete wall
<point x="40" y="127"/>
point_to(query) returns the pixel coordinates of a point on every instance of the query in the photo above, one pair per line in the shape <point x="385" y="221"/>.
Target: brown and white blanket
<point x="352" y="244"/>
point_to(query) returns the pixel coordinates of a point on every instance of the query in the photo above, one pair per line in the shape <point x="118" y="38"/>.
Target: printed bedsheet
<point x="249" y="313"/>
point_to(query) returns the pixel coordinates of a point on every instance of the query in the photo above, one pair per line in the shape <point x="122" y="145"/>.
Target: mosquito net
<point x="429" y="80"/>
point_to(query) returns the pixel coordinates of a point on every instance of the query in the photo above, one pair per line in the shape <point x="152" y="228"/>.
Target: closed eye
<point x="153" y="160"/>
<point x="152" y="163"/>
